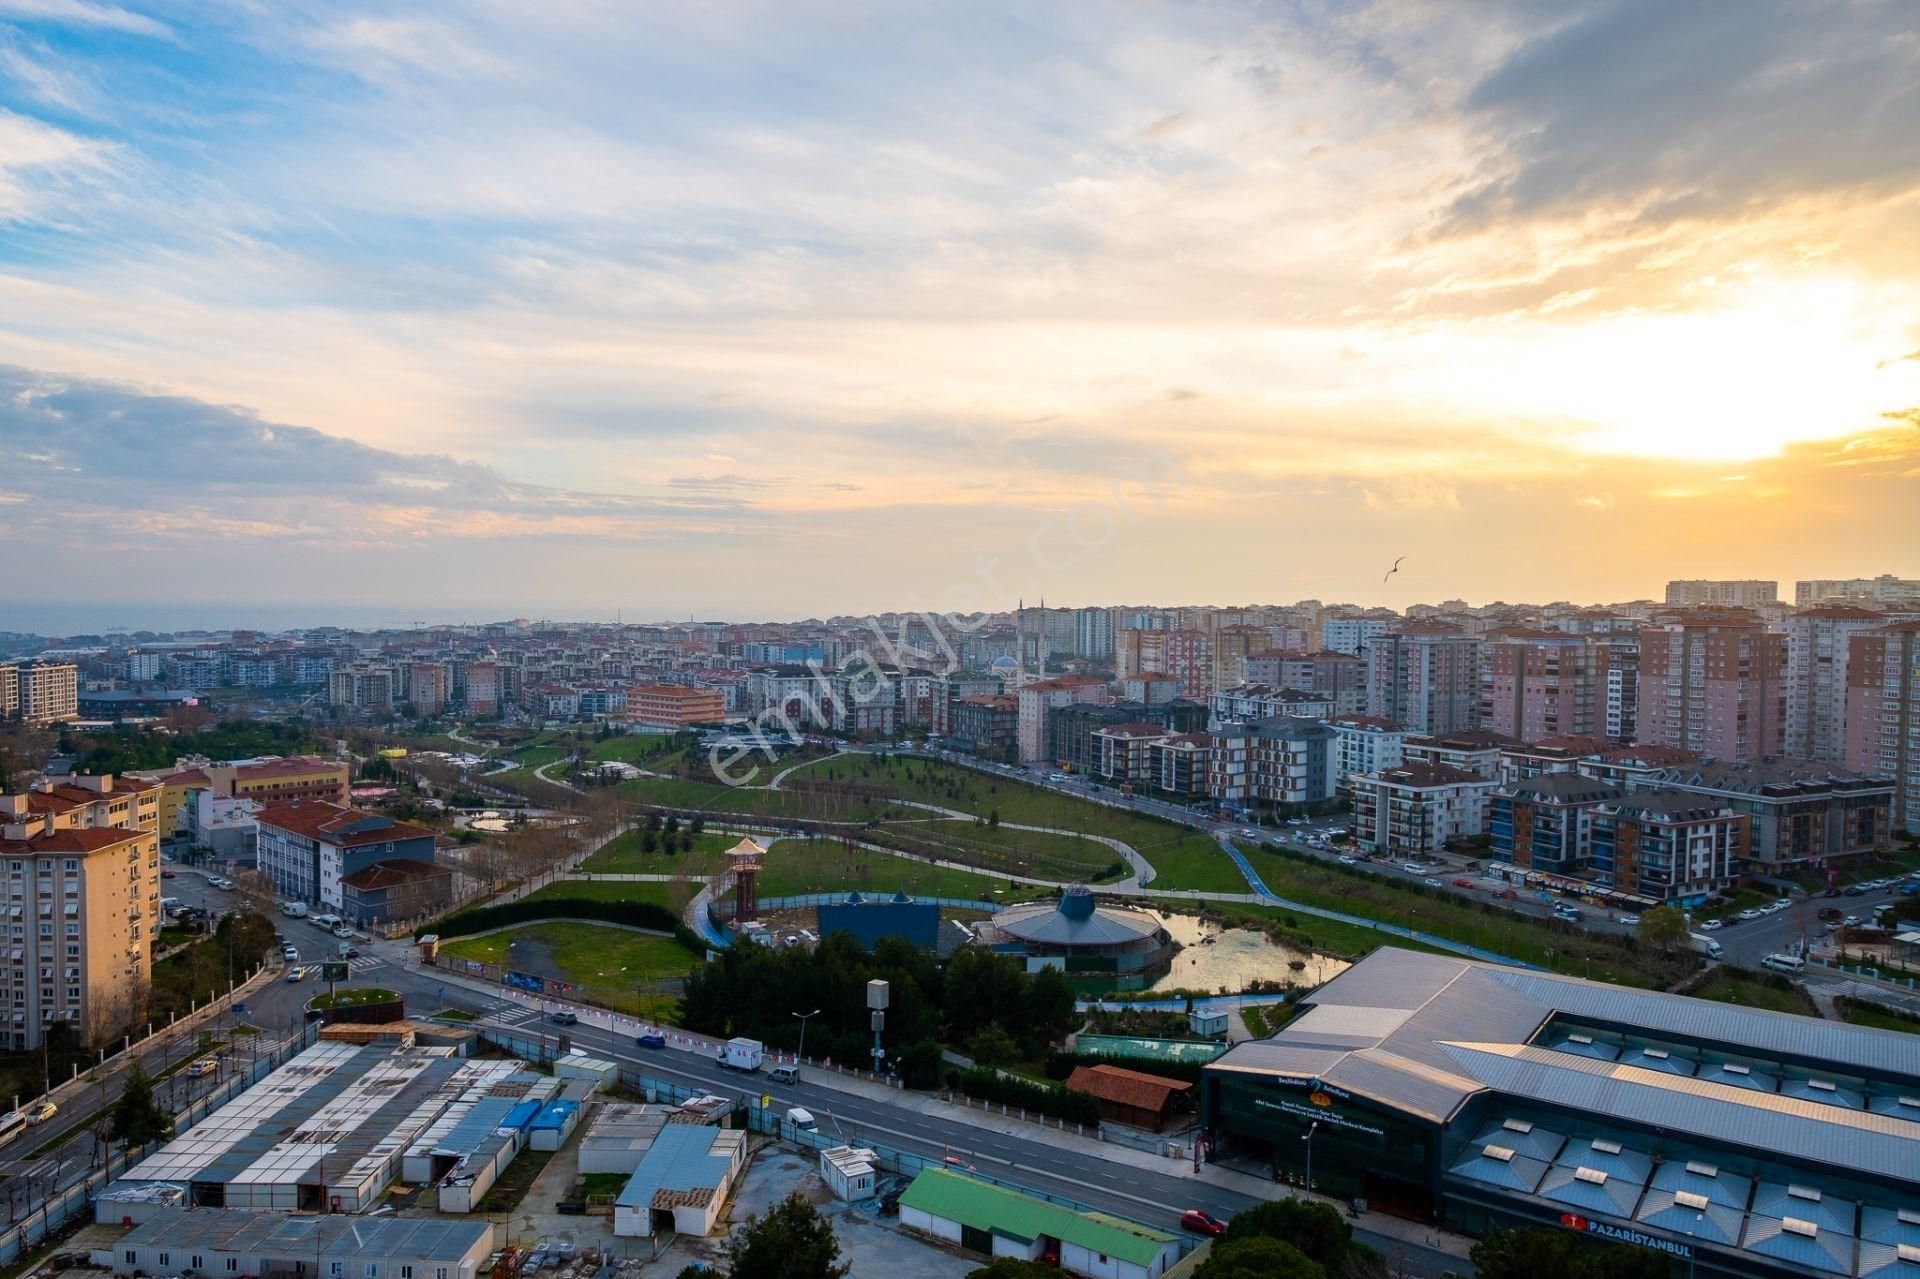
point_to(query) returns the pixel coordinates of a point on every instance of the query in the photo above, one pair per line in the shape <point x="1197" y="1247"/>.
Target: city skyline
<point x="570" y="313"/>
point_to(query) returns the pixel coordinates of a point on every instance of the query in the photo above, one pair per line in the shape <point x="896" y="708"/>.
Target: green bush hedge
<point x="1051" y="1100"/>
<point x="633" y="914"/>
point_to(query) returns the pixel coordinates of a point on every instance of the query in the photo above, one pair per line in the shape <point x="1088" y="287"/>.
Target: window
<point x="166" y="1259"/>
<point x="233" y="1264"/>
<point x="406" y="1272"/>
<point x="373" y="1270"/>
<point x="131" y="1256"/>
<point x="336" y="1268"/>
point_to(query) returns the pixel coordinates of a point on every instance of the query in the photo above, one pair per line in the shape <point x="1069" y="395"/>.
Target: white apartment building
<point x="1870" y="592"/>
<point x="1417" y="809"/>
<point x="1367" y="744"/>
<point x="1351" y="634"/>
<point x="1747" y="593"/>
<point x="44" y="692"/>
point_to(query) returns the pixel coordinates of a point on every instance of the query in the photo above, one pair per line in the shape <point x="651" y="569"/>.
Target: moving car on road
<point x="1202" y="1223"/>
<point x="41" y="1113"/>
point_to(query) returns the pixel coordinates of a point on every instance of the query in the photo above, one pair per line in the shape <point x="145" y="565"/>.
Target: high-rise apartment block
<point x="1540" y="684"/>
<point x="1885" y="591"/>
<point x="1093" y="633"/>
<point x="1351" y="634"/>
<point x="1706" y="593"/>
<point x="1819" y="645"/>
<point x="1041" y="696"/>
<point x="1425" y="676"/>
<point x="80" y="865"/>
<point x="1714" y="683"/>
<point x="1341" y="677"/>
<point x="1883" y="713"/>
<point x="40" y="692"/>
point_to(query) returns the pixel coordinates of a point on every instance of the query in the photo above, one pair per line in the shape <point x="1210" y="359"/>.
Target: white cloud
<point x="83" y="13"/>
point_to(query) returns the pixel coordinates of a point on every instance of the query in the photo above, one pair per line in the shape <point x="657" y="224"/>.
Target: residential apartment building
<point x="1352" y="635"/>
<point x="1538" y="684"/>
<point x="1883" y="713"/>
<point x="1539" y="823"/>
<point x="1366" y="744"/>
<point x="1232" y="645"/>
<point x="1042" y="696"/>
<point x="1425" y="676"/>
<point x="1801" y="815"/>
<point x="1885" y="591"/>
<point x="988" y="724"/>
<point x="1702" y="592"/>
<point x="308" y="848"/>
<point x="478" y="687"/>
<point x="1340" y="677"/>
<point x="1093" y="633"/>
<point x="1474" y="750"/>
<point x="1151" y="689"/>
<point x="1262" y="701"/>
<point x="1186" y="654"/>
<point x="1819" y="644"/>
<point x="1122" y="754"/>
<point x="1714" y="683"/>
<point x="426" y="688"/>
<point x="675" y="706"/>
<point x="80" y="865"/>
<point x="1276" y="762"/>
<point x="40" y="692"/>
<point x="261" y="781"/>
<point x="1416" y="810"/>
<point x="1665" y="845"/>
<point x="1070" y="729"/>
<point x="362" y="686"/>
<point x="1180" y="764"/>
<point x="949" y="690"/>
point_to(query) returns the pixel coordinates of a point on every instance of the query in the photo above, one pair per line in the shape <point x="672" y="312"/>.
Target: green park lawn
<point x="610" y="964"/>
<point x="671" y="895"/>
<point x="1725" y="987"/>
<point x="623" y="857"/>
<point x="1861" y="1014"/>
<point x="796" y="866"/>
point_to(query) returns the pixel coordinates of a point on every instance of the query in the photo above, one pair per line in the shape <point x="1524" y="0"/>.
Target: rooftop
<point x="1074" y="920"/>
<point x="1426" y="1033"/>
<point x="1775" y="777"/>
<point x="1012" y="1215"/>
<point x="317" y="819"/>
<point x="277" y="1235"/>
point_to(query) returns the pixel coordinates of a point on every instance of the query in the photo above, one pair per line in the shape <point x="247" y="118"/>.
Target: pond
<point x="1212" y="957"/>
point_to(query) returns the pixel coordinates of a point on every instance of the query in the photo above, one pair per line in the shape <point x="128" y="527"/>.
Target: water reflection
<point x="1212" y="957"/>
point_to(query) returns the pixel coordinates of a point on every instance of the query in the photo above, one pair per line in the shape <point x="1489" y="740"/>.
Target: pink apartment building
<point x="1041" y="696"/>
<point x="1883" y="713"/>
<point x="1714" y="682"/>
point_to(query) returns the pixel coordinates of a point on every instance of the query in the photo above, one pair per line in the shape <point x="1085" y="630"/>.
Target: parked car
<point x="1630" y="920"/>
<point x="1711" y="925"/>
<point x="565" y="1019"/>
<point x="1202" y="1223"/>
<point x="1748" y="914"/>
<point x="1344" y="861"/>
<point x="651" y="1039"/>
<point x="169" y="874"/>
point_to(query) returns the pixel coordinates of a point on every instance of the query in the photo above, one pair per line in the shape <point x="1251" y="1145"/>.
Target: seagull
<point x="1395" y="569"/>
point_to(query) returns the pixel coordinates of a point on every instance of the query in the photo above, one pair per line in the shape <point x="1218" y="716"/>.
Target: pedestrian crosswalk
<point x="514" y="1016"/>
<point x="364" y="963"/>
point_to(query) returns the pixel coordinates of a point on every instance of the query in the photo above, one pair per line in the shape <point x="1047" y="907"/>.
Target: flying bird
<point x="1395" y="569"/>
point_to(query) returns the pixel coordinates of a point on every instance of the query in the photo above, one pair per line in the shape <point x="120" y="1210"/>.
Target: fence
<point x="771" y="1122"/>
<point x="63" y="1206"/>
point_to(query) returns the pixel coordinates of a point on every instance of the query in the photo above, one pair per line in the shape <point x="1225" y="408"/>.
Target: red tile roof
<point x="330" y="823"/>
<point x="86" y="839"/>
<point x="1125" y="1087"/>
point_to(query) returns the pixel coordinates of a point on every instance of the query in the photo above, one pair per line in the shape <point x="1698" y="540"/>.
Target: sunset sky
<point x="319" y="312"/>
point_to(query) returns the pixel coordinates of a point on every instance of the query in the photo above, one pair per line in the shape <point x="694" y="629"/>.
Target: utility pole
<point x="802" y="1054"/>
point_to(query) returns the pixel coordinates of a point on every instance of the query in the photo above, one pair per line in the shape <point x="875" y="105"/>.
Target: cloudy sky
<point x="573" y="308"/>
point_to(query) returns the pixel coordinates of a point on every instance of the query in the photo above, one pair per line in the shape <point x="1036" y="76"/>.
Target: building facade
<point x="1715" y="684"/>
<point x="307" y="848"/>
<point x="675" y="706"/>
<point x="1416" y="810"/>
<point x="1883" y="713"/>
<point x="1885" y="591"/>
<point x="1704" y="592"/>
<point x="1819" y="646"/>
<point x="81" y="867"/>
<point x="1425" y="676"/>
<point x="1039" y="698"/>
<point x="1802" y="815"/>
<point x="42" y="693"/>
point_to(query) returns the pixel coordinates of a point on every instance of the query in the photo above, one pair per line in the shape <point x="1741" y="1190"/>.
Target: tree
<point x="792" y="1241"/>
<point x="992" y="1046"/>
<point x="1525" y="1253"/>
<point x="1258" y="1258"/>
<point x="1014" y="1268"/>
<point x="1316" y="1229"/>
<point x="137" y="1118"/>
<point x="1663" y="928"/>
<point x="993" y="819"/>
<point x="1050" y="1004"/>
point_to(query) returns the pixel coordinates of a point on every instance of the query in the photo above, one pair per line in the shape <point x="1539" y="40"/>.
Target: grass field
<point x="1381" y="897"/>
<point x="611" y="965"/>
<point x="639" y="748"/>
<point x="1725" y="987"/>
<point x="671" y="895"/>
<point x="814" y="866"/>
<point x="623" y="857"/>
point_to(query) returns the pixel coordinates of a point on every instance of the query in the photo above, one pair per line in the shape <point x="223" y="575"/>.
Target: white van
<point x="801" y="1119"/>
<point x="328" y="922"/>
<point x="1785" y="963"/>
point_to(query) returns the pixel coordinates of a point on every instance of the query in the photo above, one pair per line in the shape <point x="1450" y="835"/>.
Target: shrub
<point x="1046" y="1099"/>
<point x="648" y="915"/>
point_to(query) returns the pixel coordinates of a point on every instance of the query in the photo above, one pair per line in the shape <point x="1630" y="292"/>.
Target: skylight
<point x="1500" y="1153"/>
<point x="1517" y="1125"/>
<point x="1809" y="1193"/>
<point x="1687" y="1199"/>
<point x="1703" y="1170"/>
<point x="1607" y="1147"/>
<point x="1592" y="1176"/>
<point x="1732" y="1069"/>
<point x="1658" y="1054"/>
<point x="1796" y="1226"/>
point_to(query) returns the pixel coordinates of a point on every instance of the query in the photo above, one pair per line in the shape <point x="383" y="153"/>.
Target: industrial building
<point x="330" y="1130"/>
<point x="681" y="1182"/>
<point x="227" y="1241"/>
<point x="480" y="1130"/>
<point x="1748" y="1143"/>
<point x="988" y="1219"/>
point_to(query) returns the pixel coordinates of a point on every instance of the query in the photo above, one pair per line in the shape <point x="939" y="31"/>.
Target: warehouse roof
<point x="1424" y="1033"/>
<point x="683" y="1159"/>
<point x="275" y="1234"/>
<point x="1008" y="1213"/>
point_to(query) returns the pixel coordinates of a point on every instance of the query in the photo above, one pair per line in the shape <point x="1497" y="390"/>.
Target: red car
<point x="1202" y="1224"/>
<point x="1463" y="882"/>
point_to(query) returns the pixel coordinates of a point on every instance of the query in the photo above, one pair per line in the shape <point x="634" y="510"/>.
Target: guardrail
<point x="771" y="1122"/>
<point x="18" y="1240"/>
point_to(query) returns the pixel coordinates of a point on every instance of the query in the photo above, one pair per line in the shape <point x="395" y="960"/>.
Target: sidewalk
<point x="1413" y="1234"/>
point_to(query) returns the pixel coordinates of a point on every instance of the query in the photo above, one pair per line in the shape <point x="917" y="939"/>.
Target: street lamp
<point x="802" y="1054"/>
<point x="1308" y="1138"/>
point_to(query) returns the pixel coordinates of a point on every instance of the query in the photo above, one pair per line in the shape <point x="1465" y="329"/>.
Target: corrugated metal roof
<point x="1713" y="1222"/>
<point x="1768" y="1122"/>
<point x="682" y="1157"/>
<point x="1592" y="1190"/>
<point x="952" y="1197"/>
<point x="1823" y="1251"/>
<point x="277" y="1235"/>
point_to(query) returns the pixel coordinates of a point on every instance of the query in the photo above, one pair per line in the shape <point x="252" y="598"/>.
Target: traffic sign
<point x="333" y="970"/>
